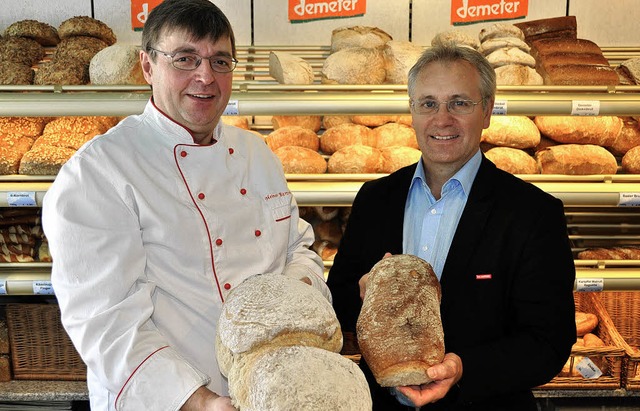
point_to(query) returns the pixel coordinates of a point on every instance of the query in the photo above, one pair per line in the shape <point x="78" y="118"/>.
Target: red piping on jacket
<point x="134" y="371"/>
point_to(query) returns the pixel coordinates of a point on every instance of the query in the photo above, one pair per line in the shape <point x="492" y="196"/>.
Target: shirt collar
<point x="464" y="176"/>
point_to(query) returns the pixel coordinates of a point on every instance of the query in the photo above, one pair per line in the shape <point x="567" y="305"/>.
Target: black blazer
<point x="513" y="331"/>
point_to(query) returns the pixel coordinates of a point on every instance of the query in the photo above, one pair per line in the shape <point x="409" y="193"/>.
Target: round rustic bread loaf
<point x="511" y="131"/>
<point x="334" y="120"/>
<point x="21" y="50"/>
<point x="298" y="378"/>
<point x="41" y="32"/>
<point x="500" y="30"/>
<point x="313" y="123"/>
<point x="372" y="120"/>
<point x="517" y="75"/>
<point x="355" y="65"/>
<point x="274" y="310"/>
<point x="301" y="160"/>
<point x="116" y="64"/>
<point x="78" y="49"/>
<point x="287" y="68"/>
<point x="510" y="55"/>
<point x="399" y="327"/>
<point x="358" y="36"/>
<point x="394" y="134"/>
<point x="86" y="26"/>
<point x="344" y="135"/>
<point x="396" y="157"/>
<point x="399" y="57"/>
<point x="12" y="73"/>
<point x="512" y="160"/>
<point x="356" y="159"/>
<point x="489" y="46"/>
<point x="631" y="161"/>
<point x="455" y="37"/>
<point x="293" y="136"/>
<point x="62" y="72"/>
<point x="26" y="126"/>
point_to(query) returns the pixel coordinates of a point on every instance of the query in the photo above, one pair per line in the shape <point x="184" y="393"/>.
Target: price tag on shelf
<point x="589" y="284"/>
<point x="232" y="108"/>
<point x="629" y="199"/>
<point x="588" y="369"/>
<point x="3" y="287"/>
<point x="43" y="288"/>
<point x="21" y="199"/>
<point x="585" y="108"/>
<point x="500" y="108"/>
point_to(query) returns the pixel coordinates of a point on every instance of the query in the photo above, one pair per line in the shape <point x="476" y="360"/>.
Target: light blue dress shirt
<point x="429" y="225"/>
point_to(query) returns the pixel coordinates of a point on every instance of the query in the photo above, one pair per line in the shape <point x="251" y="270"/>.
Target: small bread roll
<point x="326" y="213"/>
<point x="313" y="123"/>
<point x="356" y="159"/>
<point x="287" y="68"/>
<point x="585" y="323"/>
<point x="394" y="134"/>
<point x="329" y="230"/>
<point x="399" y="327"/>
<point x="293" y="136"/>
<point x="358" y="36"/>
<point x="301" y="160"/>
<point x="511" y="131"/>
<point x="26" y="126"/>
<point x="512" y="160"/>
<point x="356" y="65"/>
<point x="344" y="135"/>
<point x="396" y="157"/>
<point x="325" y="249"/>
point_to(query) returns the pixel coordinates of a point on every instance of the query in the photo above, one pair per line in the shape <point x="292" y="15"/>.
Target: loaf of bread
<point x="399" y="57"/>
<point x="301" y="160"/>
<point x="325" y="249"/>
<point x="326" y="213"/>
<point x="334" y="120"/>
<point x="564" y="58"/>
<point x="21" y="50"/>
<point x="356" y="159"/>
<point x="313" y="123"/>
<point x="489" y="46"/>
<point x="628" y="137"/>
<point x="396" y="157"/>
<point x="287" y="68"/>
<point x="293" y="136"/>
<point x="511" y="131"/>
<point x="631" y="69"/>
<point x="598" y="130"/>
<point x="455" y="37"/>
<point x="543" y="47"/>
<point x="70" y="140"/>
<point x="576" y="159"/>
<point x="43" y="33"/>
<point x="610" y="253"/>
<point x="372" y="120"/>
<point x="344" y="135"/>
<point x="631" y="161"/>
<point x="26" y="126"/>
<point x="498" y="30"/>
<point x="399" y="327"/>
<point x="394" y="134"/>
<point x="510" y="55"/>
<point x="12" y="148"/>
<point x="236" y="121"/>
<point x="355" y="65"/>
<point x="578" y="74"/>
<point x="14" y="73"/>
<point x="274" y="310"/>
<point x="44" y="160"/>
<point x="62" y="72"/>
<point x="512" y="160"/>
<point x="116" y="64"/>
<point x="517" y="75"/>
<point x="79" y="49"/>
<point x="563" y="27"/>
<point x="585" y="322"/>
<point x="86" y="26"/>
<point x="329" y="230"/>
<point x="298" y="378"/>
<point x="359" y="37"/>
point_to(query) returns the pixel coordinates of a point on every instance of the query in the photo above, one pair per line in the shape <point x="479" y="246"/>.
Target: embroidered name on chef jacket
<point x="280" y="205"/>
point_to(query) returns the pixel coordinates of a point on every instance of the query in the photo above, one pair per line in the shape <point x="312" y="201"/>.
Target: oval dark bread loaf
<point x="399" y="329"/>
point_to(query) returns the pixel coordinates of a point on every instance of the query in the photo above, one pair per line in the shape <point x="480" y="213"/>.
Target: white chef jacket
<point x="148" y="233"/>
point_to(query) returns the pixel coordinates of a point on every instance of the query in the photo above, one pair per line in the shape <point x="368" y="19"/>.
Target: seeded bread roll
<point x="358" y="36"/>
<point x="287" y="68"/>
<point x="343" y="135"/>
<point x="576" y="159"/>
<point x="86" y="26"/>
<point x="298" y="378"/>
<point x="116" y="64"/>
<point x="598" y="130"/>
<point x="399" y="327"/>
<point x="274" y="310"/>
<point x="293" y="136"/>
<point x="394" y="134"/>
<point x="511" y="131"/>
<point x="12" y="73"/>
<point x="71" y="140"/>
<point x="26" y="126"/>
<point x="62" y="72"/>
<point x="396" y="157"/>
<point x="301" y="160"/>
<point x="355" y="65"/>
<point x="313" y="123"/>
<point x="41" y="32"/>
<point x="44" y="160"/>
<point x="78" y="49"/>
<point x="89" y="125"/>
<point x="21" y="50"/>
<point x="512" y="160"/>
<point x="12" y="148"/>
<point x="356" y="159"/>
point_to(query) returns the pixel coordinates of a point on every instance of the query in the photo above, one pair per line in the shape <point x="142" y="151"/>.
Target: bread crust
<point x="21" y="50"/>
<point x="597" y="130"/>
<point x="43" y="33"/>
<point x="301" y="160"/>
<point x="86" y="26"/>
<point x="576" y="159"/>
<point x="511" y="131"/>
<point x="356" y="159"/>
<point x="293" y="136"/>
<point x="343" y="135"/>
<point x="512" y="160"/>
<point x="358" y="36"/>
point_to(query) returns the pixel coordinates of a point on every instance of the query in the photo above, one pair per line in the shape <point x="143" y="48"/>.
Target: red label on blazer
<point x="483" y="276"/>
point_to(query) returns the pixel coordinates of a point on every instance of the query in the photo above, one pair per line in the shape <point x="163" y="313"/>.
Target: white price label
<point x="22" y="199"/>
<point x="43" y="288"/>
<point x="232" y="108"/>
<point x="3" y="287"/>
<point x="629" y="199"/>
<point x="588" y="369"/>
<point x="500" y="108"/>
<point x="589" y="284"/>
<point x="585" y="108"/>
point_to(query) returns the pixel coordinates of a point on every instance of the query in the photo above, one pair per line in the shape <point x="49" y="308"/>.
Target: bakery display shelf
<point x="30" y="390"/>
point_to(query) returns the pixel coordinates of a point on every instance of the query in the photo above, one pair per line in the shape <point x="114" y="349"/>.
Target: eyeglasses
<point x="183" y="60"/>
<point x="455" y="106"/>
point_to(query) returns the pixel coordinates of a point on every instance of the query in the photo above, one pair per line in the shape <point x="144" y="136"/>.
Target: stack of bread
<point x="504" y="47"/>
<point x="81" y="38"/>
<point x="278" y="342"/>
<point x="328" y="226"/>
<point x="586" y="340"/>
<point x="17" y="135"/>
<point x="506" y="140"/>
<point x="21" y="236"/>
<point x="22" y="47"/>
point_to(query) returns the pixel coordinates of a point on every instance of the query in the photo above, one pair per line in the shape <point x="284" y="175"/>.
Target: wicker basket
<point x="624" y="309"/>
<point x="40" y="347"/>
<point x="609" y="358"/>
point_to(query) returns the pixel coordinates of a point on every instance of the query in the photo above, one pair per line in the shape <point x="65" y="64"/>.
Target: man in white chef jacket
<point x="152" y="224"/>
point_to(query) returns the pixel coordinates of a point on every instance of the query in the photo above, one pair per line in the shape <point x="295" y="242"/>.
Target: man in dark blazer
<point x="507" y="274"/>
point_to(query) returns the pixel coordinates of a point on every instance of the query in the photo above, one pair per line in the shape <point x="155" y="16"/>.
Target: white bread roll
<point x="358" y="36"/>
<point x="355" y="65"/>
<point x="512" y="160"/>
<point x="631" y="161"/>
<point x="274" y="310"/>
<point x="287" y="68"/>
<point x="298" y="379"/>
<point x="399" y="327"/>
<point x="511" y="131"/>
<point x="399" y="57"/>
<point x="116" y="64"/>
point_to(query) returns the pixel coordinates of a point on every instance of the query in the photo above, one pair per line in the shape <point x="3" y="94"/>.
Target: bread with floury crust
<point x="358" y="36"/>
<point x="399" y="328"/>
<point x="354" y="65"/>
<point x="287" y="68"/>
